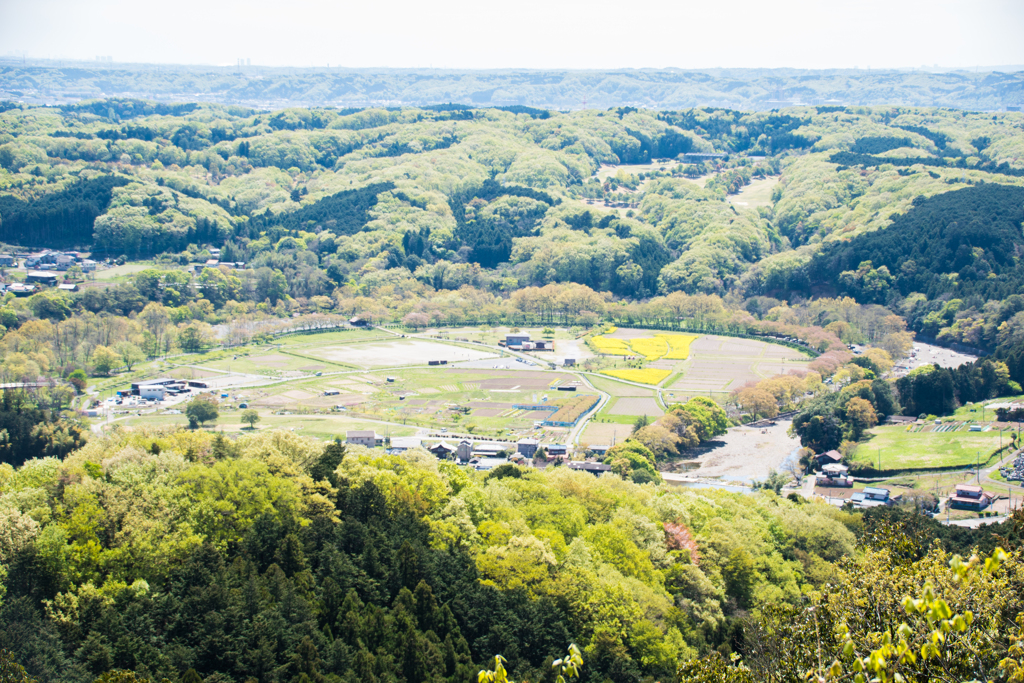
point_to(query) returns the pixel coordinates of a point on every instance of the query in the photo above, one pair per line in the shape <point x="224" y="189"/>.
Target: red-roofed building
<point x="969" y="497"/>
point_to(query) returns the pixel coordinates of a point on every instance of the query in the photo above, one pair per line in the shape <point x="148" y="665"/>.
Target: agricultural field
<point x="695" y="364"/>
<point x="477" y="400"/>
<point x="119" y="272"/>
<point x="614" y="388"/>
<point x="721" y="364"/>
<point x="635" y="406"/>
<point x="906" y="450"/>
<point x="396" y="353"/>
<point x="319" y="426"/>
<point x="605" y="433"/>
<point x="643" y="376"/>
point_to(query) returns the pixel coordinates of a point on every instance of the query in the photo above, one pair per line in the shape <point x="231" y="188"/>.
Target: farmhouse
<point x="557" y="450"/>
<point x="19" y="289"/>
<point x="969" y="497"/>
<point x="442" y="450"/>
<point x="516" y="340"/>
<point x="43" y="277"/>
<point x="358" y="322"/>
<point x="400" y="444"/>
<point x="827" y="458"/>
<point x="464" y="451"/>
<point x="833" y="474"/>
<point x="68" y="287"/>
<point x="871" y="497"/>
<point x="6" y="260"/>
<point x="361" y="437"/>
<point x="527" y="447"/>
<point x="488" y="449"/>
<point x="595" y="468"/>
<point x="484" y="464"/>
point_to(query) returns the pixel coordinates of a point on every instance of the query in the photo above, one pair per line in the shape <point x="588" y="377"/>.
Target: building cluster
<point x="47" y="260"/>
<point x="157" y="389"/>
<point x="480" y="455"/>
<point x="44" y="270"/>
<point x="833" y="474"/>
<point x="520" y="341"/>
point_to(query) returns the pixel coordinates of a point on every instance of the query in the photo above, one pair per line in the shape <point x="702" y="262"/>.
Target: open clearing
<point x="903" y="450"/>
<point x="757" y="193"/>
<point x="126" y="269"/>
<point x="397" y="353"/>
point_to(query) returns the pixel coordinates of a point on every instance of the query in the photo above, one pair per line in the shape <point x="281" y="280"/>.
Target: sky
<point x="487" y="34"/>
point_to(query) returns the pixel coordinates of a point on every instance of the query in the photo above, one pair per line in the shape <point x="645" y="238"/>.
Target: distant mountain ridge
<point x="277" y="87"/>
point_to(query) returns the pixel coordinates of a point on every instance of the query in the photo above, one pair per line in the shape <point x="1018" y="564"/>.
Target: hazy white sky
<point x="523" y="33"/>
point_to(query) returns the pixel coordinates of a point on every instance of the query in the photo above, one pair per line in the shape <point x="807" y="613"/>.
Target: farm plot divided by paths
<point x="721" y="364"/>
<point x="398" y="353"/>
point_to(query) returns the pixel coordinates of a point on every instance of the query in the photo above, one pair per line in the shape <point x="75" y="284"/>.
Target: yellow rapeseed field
<point x="679" y="345"/>
<point x="611" y="347"/>
<point x="650" y="348"/>
<point x="645" y="376"/>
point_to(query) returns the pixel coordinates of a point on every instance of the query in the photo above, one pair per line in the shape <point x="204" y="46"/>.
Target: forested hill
<point x="752" y="89"/>
<point x="962" y="243"/>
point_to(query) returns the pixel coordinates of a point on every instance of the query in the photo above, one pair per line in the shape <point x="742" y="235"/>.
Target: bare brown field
<point x="636" y="406"/>
<point x="599" y="433"/>
<point x="723" y="364"/>
<point x="395" y="353"/>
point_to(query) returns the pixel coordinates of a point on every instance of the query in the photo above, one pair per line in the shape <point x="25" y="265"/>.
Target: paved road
<point x="974" y="523"/>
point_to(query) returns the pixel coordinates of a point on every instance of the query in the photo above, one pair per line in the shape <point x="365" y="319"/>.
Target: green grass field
<point x="902" y="450"/>
<point x="318" y="426"/>
<point x="128" y="269"/>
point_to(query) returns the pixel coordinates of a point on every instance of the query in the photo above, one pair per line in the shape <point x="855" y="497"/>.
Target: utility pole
<point x="979" y="468"/>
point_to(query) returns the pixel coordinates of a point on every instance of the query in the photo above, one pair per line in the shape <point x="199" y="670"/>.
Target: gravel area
<point x="745" y="454"/>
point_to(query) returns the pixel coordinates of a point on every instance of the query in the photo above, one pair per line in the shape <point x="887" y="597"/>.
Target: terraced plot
<point x="721" y="364"/>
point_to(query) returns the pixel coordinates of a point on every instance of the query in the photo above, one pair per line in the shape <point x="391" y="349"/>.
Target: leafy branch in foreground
<point x="568" y="668"/>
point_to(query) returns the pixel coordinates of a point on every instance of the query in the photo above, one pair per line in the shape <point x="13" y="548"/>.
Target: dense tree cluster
<point x="276" y="556"/>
